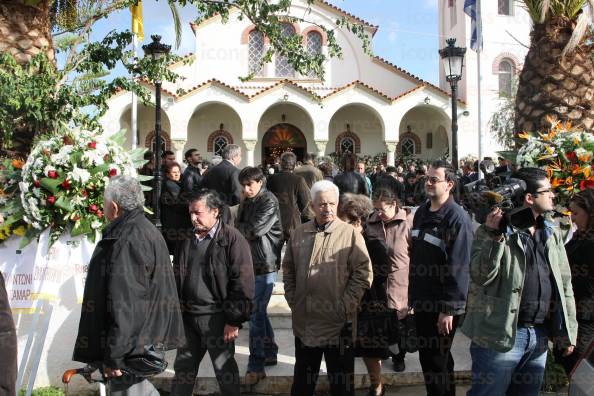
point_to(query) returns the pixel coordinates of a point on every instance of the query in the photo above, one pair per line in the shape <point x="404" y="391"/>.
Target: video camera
<point x="482" y="196"/>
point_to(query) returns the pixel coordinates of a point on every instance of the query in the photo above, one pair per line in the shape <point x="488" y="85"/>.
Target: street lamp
<point x="453" y="63"/>
<point x="157" y="50"/>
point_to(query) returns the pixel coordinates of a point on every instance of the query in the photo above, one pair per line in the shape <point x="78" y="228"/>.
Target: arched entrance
<point x="280" y="138"/>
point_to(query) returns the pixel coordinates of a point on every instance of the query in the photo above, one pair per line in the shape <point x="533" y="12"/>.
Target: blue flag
<point x="476" y="40"/>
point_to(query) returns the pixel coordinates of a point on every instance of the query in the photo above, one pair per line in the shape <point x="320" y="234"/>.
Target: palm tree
<point x="26" y="28"/>
<point x="557" y="79"/>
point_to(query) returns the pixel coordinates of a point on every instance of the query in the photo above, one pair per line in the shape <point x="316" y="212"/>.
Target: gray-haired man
<point x="130" y="304"/>
<point x="223" y="177"/>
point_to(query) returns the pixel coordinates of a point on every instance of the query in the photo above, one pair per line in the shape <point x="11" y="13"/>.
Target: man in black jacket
<point x="349" y="181"/>
<point x="192" y="178"/>
<point x="258" y="219"/>
<point x="292" y="193"/>
<point x="439" y="276"/>
<point x="215" y="283"/>
<point x="129" y="304"/>
<point x="223" y="177"/>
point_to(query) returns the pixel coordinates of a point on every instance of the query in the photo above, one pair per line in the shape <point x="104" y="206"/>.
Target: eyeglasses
<point x="433" y="180"/>
<point x="384" y="211"/>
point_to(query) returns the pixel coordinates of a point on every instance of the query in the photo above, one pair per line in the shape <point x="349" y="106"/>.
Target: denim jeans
<point x="262" y="343"/>
<point x="519" y="371"/>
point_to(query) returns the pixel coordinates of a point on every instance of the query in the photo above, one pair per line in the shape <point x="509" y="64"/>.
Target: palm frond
<point x="177" y="25"/>
<point x="584" y="20"/>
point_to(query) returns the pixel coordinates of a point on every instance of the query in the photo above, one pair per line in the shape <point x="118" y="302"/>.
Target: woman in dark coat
<point x="579" y="252"/>
<point x="175" y="218"/>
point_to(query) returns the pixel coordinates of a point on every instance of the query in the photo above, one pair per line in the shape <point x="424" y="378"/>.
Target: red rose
<point x="51" y="200"/>
<point x="113" y="172"/>
<point x="37" y="183"/>
<point x="52" y="174"/>
<point x="93" y="208"/>
<point x="92" y="145"/>
<point x="66" y="184"/>
<point x="84" y="193"/>
<point x="571" y="156"/>
<point x="99" y="214"/>
<point x="585" y="184"/>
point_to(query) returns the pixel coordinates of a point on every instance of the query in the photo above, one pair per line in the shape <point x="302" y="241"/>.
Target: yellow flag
<point x="137" y="28"/>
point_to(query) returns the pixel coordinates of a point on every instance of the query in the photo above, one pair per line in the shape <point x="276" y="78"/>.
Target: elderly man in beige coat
<point x="326" y="270"/>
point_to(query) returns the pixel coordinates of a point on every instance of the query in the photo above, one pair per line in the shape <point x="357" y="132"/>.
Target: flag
<point x="476" y="40"/>
<point x="137" y="27"/>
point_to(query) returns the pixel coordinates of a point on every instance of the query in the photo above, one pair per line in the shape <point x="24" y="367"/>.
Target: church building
<point x="365" y="105"/>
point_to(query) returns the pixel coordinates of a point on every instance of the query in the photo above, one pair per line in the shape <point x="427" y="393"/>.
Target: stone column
<point x="178" y="148"/>
<point x="391" y="149"/>
<point x="321" y="147"/>
<point x="250" y="145"/>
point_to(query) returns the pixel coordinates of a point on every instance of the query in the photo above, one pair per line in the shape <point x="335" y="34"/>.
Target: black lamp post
<point x="453" y="62"/>
<point x="156" y="50"/>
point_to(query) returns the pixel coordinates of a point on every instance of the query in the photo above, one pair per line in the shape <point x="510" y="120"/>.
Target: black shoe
<point x="398" y="364"/>
<point x="372" y="391"/>
<point x="270" y="361"/>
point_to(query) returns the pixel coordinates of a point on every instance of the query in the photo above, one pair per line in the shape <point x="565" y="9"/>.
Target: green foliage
<point x="554" y="376"/>
<point x="47" y="391"/>
<point x="501" y="124"/>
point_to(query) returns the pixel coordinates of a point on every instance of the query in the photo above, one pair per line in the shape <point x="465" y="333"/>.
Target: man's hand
<point x="569" y="350"/>
<point x="494" y="219"/>
<point x="109" y="372"/>
<point x="445" y="324"/>
<point x="230" y="333"/>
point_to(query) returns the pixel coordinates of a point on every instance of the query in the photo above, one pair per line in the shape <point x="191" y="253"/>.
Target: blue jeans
<point x="262" y="343"/>
<point x="519" y="371"/>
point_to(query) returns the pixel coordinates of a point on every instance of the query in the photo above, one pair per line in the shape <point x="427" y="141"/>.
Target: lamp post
<point x="453" y="62"/>
<point x="157" y="50"/>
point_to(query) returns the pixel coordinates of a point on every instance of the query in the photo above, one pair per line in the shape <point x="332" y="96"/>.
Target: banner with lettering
<point x="39" y="270"/>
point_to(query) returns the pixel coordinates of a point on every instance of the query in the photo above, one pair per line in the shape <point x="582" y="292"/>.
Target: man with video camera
<point x="520" y="296"/>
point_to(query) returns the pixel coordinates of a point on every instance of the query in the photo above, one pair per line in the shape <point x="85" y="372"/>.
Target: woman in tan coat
<point x="387" y="236"/>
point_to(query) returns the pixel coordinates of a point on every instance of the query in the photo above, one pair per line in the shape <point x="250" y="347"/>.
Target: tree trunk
<point x="25" y="30"/>
<point x="551" y="86"/>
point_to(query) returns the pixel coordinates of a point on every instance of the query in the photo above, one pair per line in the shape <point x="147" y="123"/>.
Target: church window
<point x="255" y="51"/>
<point x="219" y="143"/>
<point x="505" y="7"/>
<point x="408" y="147"/>
<point x="151" y="141"/>
<point x="282" y="66"/>
<point x="347" y="145"/>
<point x="314" y="47"/>
<point x="506" y="72"/>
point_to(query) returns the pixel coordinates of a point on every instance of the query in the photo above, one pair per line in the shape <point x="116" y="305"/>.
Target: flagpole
<point x="134" y="121"/>
<point x="479" y="31"/>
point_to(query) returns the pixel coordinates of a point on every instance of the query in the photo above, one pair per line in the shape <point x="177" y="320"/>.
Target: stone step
<point x="280" y="377"/>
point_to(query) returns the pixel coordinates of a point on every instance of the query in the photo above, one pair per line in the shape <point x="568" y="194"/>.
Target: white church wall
<point x="363" y="122"/>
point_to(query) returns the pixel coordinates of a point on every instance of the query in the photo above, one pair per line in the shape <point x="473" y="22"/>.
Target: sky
<point x="407" y="34"/>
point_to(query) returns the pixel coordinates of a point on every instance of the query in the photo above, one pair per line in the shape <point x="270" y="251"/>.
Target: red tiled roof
<point x="217" y="82"/>
<point x="361" y="84"/>
<point x="285" y="82"/>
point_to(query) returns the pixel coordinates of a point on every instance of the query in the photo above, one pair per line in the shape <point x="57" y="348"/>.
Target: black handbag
<point x="147" y="364"/>
<point x="409" y="341"/>
<point x="377" y="323"/>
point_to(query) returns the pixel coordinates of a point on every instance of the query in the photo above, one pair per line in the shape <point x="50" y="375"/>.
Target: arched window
<point x="314" y="47"/>
<point x="282" y="66"/>
<point x="505" y="7"/>
<point x="151" y="141"/>
<point x="506" y="72"/>
<point x="219" y="143"/>
<point x="347" y="145"/>
<point x="255" y="51"/>
<point x="408" y="147"/>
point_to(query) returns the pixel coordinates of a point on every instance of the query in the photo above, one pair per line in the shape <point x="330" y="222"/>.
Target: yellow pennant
<point x="137" y="27"/>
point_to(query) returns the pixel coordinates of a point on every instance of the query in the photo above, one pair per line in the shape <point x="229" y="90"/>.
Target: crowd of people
<point x="363" y="255"/>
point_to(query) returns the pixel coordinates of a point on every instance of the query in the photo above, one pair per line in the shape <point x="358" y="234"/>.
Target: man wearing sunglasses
<point x="440" y="256"/>
<point x="520" y="297"/>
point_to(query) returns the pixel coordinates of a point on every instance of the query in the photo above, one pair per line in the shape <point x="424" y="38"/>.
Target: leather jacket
<point x="258" y="220"/>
